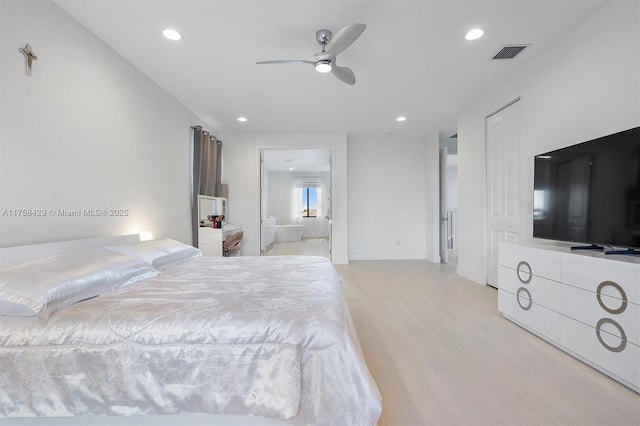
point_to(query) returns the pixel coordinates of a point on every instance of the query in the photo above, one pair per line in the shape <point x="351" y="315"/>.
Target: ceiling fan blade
<point x="345" y="74"/>
<point x="294" y="61"/>
<point x="344" y="38"/>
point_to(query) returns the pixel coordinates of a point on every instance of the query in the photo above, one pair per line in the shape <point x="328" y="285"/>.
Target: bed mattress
<point x="262" y="336"/>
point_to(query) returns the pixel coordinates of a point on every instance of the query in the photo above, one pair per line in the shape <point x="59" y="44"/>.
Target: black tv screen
<point x="590" y="192"/>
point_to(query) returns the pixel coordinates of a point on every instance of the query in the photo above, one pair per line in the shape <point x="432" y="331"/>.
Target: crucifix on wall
<point x="29" y="57"/>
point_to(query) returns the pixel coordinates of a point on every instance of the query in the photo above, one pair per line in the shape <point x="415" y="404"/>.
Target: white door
<point x="444" y="221"/>
<point x="503" y="184"/>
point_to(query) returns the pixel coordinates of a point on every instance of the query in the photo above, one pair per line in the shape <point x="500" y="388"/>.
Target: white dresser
<point x="585" y="303"/>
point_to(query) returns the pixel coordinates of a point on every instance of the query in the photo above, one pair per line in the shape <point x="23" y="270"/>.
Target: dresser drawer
<point x="583" y="340"/>
<point x="623" y="321"/>
<point x="611" y="278"/>
<point x="530" y="261"/>
<point x="542" y="291"/>
<point x="518" y="308"/>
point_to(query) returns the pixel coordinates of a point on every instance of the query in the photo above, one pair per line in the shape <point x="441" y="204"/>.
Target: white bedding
<point x="263" y="336"/>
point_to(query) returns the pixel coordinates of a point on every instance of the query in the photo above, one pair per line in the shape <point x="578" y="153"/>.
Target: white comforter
<point x="265" y="336"/>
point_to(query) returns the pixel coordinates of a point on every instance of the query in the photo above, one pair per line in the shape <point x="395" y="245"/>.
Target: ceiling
<point x="412" y="59"/>
<point x="297" y="160"/>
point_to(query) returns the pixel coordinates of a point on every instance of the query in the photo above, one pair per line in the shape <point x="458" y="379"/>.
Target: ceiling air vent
<point x="510" y="51"/>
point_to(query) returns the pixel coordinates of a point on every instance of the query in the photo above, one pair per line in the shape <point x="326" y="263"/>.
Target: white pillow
<point x="162" y="253"/>
<point x="44" y="286"/>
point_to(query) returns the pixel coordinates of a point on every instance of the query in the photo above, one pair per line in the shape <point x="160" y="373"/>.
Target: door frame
<point x="328" y="215"/>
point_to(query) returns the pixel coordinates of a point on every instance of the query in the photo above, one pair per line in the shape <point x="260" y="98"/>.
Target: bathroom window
<point x="309" y="202"/>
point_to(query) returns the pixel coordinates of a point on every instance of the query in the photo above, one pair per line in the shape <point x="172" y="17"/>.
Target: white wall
<point x="242" y="173"/>
<point x="432" y="198"/>
<point x="583" y="87"/>
<point x="279" y="197"/>
<point x="85" y="131"/>
<point x="452" y="181"/>
<point x="387" y="187"/>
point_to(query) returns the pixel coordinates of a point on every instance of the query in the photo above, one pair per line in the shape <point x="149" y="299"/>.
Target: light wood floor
<point x="306" y="246"/>
<point x="441" y="354"/>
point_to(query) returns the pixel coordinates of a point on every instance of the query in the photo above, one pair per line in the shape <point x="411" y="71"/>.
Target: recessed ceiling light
<point x="474" y="34"/>
<point x="171" y="34"/>
<point x="290" y="168"/>
<point x="401" y="118"/>
<point x="242" y="119"/>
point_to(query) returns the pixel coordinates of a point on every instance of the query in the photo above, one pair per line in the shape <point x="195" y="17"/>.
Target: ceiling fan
<point x="325" y="61"/>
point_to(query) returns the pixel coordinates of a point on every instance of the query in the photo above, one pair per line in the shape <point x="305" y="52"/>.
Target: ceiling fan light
<point x="323" y="66"/>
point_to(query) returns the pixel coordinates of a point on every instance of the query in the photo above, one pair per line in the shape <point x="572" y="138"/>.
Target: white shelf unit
<point x="587" y="304"/>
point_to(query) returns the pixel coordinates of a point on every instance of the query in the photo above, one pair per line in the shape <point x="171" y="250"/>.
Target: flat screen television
<point x="590" y="192"/>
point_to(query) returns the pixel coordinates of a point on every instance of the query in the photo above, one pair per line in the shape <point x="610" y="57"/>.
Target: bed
<point x="207" y="340"/>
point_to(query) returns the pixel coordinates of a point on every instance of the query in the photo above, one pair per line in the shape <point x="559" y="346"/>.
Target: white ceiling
<point x="412" y="60"/>
<point x="297" y="160"/>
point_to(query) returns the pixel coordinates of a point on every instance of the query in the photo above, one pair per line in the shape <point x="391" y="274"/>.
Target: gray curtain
<point x="207" y="172"/>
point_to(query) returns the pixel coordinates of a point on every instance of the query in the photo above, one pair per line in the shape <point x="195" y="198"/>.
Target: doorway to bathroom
<point x="295" y="202"/>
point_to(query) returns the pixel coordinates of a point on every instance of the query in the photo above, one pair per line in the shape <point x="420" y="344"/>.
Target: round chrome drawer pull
<point x="520" y="293"/>
<point x="525" y="269"/>
<point x="623" y="338"/>
<point x="623" y="295"/>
